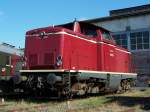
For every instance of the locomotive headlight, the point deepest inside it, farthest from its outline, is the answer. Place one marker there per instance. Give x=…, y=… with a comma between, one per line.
x=24, y=64
x=42, y=34
x=59, y=60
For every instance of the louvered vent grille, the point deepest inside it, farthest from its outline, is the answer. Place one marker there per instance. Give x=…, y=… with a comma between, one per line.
x=49, y=58
x=33, y=60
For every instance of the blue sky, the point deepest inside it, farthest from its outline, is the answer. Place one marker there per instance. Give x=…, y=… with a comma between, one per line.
x=19, y=16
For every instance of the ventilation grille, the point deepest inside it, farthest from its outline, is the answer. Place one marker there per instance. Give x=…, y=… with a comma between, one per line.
x=49, y=58
x=33, y=60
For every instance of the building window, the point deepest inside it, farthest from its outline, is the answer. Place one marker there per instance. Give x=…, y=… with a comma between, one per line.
x=121, y=39
x=139, y=40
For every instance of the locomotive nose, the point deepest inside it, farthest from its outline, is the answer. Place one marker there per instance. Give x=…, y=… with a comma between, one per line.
x=52, y=78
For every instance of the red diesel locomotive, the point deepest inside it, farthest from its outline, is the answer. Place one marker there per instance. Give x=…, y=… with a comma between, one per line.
x=74, y=59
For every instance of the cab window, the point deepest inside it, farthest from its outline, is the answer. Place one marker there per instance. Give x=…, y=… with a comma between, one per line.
x=106, y=35
x=88, y=31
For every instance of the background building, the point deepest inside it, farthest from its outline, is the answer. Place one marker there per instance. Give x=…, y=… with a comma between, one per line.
x=7, y=53
x=131, y=29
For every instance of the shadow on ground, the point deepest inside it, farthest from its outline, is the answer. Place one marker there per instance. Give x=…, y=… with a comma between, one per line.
x=128, y=101
x=39, y=100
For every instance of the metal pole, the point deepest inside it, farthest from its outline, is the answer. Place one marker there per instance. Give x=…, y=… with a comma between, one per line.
x=69, y=84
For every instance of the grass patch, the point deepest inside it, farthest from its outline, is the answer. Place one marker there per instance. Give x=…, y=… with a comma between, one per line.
x=92, y=102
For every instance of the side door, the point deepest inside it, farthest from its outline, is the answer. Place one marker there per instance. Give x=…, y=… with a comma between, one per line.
x=109, y=52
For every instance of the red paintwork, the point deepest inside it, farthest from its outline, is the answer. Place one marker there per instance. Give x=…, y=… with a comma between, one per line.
x=77, y=53
x=13, y=65
x=3, y=71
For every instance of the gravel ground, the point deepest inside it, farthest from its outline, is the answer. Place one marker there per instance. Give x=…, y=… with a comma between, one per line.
x=136, y=100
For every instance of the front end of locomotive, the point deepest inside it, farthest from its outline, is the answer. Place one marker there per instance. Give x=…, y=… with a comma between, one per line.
x=43, y=73
x=43, y=49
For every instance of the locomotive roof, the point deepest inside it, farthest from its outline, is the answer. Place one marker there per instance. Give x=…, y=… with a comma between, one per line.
x=83, y=23
x=70, y=26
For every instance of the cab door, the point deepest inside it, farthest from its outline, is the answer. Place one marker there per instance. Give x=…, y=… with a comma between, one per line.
x=109, y=55
x=109, y=58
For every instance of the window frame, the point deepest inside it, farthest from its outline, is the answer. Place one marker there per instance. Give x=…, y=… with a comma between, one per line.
x=139, y=40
